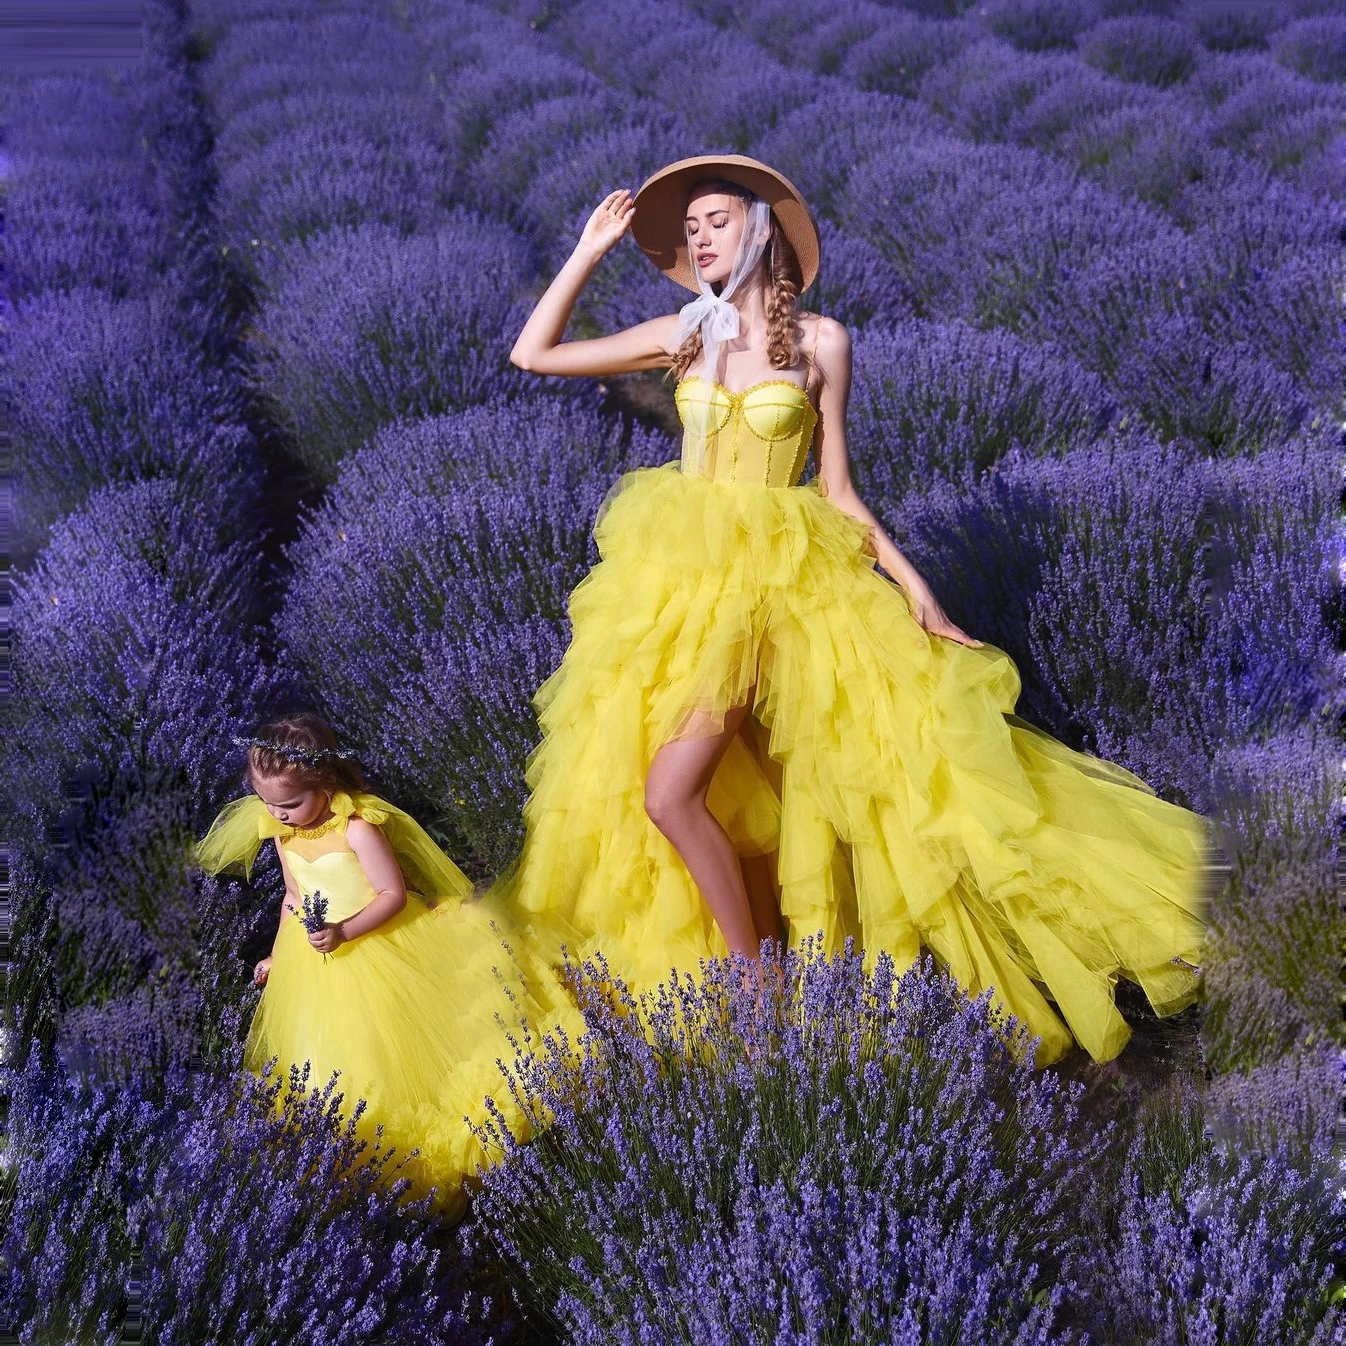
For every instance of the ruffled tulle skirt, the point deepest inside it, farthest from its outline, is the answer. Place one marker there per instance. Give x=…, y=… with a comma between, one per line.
x=414, y=1014
x=899, y=797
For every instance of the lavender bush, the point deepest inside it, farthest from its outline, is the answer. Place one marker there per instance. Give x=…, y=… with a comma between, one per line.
x=1119, y=616
x=1274, y=983
x=110, y=392
x=116, y=875
x=1139, y=316
x=1233, y=25
x=1118, y=629
x=246, y=1208
x=987, y=87
x=458, y=540
x=982, y=232
x=79, y=222
x=1314, y=47
x=841, y=1156
x=268, y=53
x=130, y=656
x=1058, y=559
x=1143, y=49
x=322, y=176
x=932, y=400
x=902, y=48
x=107, y=177
x=1216, y=1244
x=1038, y=25
x=1289, y=1103
x=354, y=333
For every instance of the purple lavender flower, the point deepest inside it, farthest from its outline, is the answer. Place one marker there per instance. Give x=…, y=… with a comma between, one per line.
x=314, y=913
x=1142, y=48
x=257, y=1209
x=1315, y=47
x=112, y=392
x=133, y=655
x=355, y=335
x=838, y=1154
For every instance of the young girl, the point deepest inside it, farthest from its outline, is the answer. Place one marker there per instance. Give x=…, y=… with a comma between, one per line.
x=406, y=988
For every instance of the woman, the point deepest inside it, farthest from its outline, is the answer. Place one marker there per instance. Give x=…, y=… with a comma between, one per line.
x=753, y=734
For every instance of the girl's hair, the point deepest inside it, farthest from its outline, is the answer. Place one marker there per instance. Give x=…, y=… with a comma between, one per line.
x=311, y=732
x=784, y=280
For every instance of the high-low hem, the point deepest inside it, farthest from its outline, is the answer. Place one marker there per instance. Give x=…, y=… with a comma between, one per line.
x=915, y=811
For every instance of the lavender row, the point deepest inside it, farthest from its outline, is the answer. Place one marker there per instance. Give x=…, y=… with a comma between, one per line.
x=138, y=474
x=136, y=656
x=211, y=1209
x=1255, y=79
x=857, y=1162
x=135, y=648
x=117, y=337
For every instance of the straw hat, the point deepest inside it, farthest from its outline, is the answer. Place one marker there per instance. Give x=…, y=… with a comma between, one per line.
x=661, y=235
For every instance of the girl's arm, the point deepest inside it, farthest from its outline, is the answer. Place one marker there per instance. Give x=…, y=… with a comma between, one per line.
x=539, y=347
x=385, y=877
x=834, y=363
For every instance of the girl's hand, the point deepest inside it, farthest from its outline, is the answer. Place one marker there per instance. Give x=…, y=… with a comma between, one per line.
x=935, y=620
x=327, y=939
x=262, y=971
x=610, y=220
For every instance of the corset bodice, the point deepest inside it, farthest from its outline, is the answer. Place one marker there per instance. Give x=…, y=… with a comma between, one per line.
x=328, y=865
x=760, y=436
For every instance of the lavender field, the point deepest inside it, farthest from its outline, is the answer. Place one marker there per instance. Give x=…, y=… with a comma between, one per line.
x=268, y=448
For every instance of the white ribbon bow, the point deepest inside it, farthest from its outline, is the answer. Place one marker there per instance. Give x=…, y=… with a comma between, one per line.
x=716, y=316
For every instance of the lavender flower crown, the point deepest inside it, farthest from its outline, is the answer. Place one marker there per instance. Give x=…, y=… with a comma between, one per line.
x=307, y=756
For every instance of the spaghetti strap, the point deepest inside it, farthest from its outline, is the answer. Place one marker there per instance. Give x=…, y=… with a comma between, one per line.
x=813, y=362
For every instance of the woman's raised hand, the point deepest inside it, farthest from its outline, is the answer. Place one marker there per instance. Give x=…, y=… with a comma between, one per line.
x=610, y=220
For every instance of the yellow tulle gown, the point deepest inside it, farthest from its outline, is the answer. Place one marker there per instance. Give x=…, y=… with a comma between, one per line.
x=898, y=796
x=415, y=1012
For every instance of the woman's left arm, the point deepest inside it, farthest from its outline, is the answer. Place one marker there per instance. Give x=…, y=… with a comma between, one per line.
x=834, y=364
x=385, y=877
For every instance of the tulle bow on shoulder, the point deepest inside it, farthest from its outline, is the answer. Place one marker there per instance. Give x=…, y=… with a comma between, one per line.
x=234, y=838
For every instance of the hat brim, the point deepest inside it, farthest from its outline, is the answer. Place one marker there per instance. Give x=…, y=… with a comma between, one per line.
x=658, y=223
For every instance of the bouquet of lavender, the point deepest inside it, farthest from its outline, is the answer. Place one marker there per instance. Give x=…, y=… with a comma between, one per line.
x=314, y=915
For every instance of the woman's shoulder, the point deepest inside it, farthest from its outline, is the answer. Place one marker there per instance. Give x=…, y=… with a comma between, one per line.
x=825, y=329
x=664, y=329
x=830, y=343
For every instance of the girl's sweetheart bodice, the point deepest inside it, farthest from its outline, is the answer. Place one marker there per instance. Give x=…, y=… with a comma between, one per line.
x=328, y=865
x=759, y=436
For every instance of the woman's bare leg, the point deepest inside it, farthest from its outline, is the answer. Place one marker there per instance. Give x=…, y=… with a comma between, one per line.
x=759, y=876
x=675, y=800
x=763, y=904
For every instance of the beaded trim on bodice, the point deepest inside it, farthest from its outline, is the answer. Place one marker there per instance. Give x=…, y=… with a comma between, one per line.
x=321, y=829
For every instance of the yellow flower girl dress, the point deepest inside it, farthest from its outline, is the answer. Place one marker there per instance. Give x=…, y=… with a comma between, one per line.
x=903, y=801
x=413, y=1013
